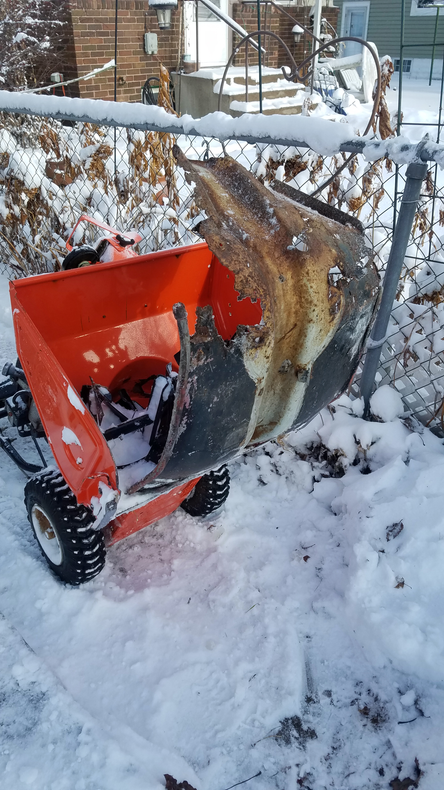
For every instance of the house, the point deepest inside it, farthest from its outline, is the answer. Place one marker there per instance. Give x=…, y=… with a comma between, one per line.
x=91, y=43
x=380, y=21
x=91, y=39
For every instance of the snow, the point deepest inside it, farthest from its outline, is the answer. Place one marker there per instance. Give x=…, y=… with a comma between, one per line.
x=75, y=400
x=280, y=102
x=386, y=403
x=104, y=504
x=109, y=65
x=321, y=134
x=69, y=437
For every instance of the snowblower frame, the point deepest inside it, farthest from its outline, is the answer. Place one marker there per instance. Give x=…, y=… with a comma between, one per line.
x=147, y=373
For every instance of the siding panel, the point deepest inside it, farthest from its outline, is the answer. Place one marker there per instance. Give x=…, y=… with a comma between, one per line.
x=384, y=29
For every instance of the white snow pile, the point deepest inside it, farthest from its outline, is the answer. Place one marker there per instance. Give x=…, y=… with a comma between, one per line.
x=322, y=138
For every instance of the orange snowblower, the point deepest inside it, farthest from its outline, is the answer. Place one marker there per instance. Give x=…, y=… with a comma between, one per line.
x=146, y=374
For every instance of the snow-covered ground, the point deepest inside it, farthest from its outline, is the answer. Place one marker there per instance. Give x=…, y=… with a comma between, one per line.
x=417, y=95
x=294, y=639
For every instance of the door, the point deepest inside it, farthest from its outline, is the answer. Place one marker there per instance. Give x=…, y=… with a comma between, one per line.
x=354, y=23
x=213, y=33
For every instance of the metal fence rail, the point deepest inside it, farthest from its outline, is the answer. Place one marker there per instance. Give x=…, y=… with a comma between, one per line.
x=61, y=157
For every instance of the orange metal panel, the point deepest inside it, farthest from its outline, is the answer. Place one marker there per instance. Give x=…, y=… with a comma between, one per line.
x=79, y=447
x=142, y=517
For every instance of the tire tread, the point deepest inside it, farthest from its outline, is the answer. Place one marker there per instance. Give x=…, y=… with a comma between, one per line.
x=81, y=544
x=209, y=494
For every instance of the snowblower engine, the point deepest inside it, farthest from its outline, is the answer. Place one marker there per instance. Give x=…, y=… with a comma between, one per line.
x=17, y=402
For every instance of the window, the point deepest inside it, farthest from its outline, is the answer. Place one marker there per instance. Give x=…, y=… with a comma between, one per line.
x=423, y=8
x=406, y=65
x=204, y=13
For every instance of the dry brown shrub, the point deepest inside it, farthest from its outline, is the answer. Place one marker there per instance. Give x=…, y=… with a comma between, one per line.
x=333, y=190
x=352, y=165
x=428, y=183
x=355, y=204
x=75, y=172
x=49, y=141
x=316, y=170
x=293, y=166
x=382, y=119
x=421, y=223
x=377, y=197
x=435, y=298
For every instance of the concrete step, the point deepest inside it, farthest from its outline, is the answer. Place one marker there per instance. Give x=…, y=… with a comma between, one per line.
x=236, y=76
x=271, y=75
x=199, y=93
x=288, y=110
x=289, y=105
x=272, y=91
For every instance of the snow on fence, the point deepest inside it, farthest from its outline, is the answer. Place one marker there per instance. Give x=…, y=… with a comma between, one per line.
x=61, y=157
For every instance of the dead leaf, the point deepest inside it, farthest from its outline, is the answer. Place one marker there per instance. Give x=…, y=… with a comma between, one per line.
x=407, y=783
x=172, y=784
x=394, y=530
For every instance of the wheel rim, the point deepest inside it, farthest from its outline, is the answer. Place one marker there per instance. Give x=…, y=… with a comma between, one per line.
x=46, y=535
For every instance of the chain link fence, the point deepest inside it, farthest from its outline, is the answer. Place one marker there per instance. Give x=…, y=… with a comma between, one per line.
x=52, y=171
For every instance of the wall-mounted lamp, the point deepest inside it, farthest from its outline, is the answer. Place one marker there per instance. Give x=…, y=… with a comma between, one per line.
x=298, y=32
x=163, y=10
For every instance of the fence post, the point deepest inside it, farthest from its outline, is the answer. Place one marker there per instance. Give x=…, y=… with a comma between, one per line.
x=416, y=172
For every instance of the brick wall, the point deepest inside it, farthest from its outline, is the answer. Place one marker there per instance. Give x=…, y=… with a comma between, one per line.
x=271, y=19
x=92, y=45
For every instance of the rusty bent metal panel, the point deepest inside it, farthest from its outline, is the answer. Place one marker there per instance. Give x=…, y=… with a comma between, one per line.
x=318, y=288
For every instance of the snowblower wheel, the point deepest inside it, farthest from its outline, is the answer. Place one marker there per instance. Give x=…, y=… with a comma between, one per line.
x=63, y=528
x=79, y=257
x=209, y=493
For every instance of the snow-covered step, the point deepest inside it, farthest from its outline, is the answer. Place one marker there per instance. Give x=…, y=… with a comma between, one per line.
x=284, y=105
x=199, y=92
x=268, y=75
x=278, y=94
x=272, y=90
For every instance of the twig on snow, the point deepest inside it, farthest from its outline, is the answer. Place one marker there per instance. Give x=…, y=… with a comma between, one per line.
x=244, y=781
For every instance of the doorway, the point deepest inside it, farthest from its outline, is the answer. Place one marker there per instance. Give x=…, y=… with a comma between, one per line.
x=354, y=23
x=213, y=33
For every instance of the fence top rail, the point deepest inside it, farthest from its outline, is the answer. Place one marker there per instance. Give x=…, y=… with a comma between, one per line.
x=323, y=136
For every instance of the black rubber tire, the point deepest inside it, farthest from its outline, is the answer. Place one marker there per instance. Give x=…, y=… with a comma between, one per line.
x=52, y=505
x=209, y=493
x=80, y=256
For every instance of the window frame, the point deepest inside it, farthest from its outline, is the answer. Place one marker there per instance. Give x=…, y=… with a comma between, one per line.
x=415, y=11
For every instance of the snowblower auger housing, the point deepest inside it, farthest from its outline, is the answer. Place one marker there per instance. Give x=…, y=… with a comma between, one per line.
x=149, y=371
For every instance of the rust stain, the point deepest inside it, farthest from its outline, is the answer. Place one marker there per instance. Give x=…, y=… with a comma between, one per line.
x=281, y=252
